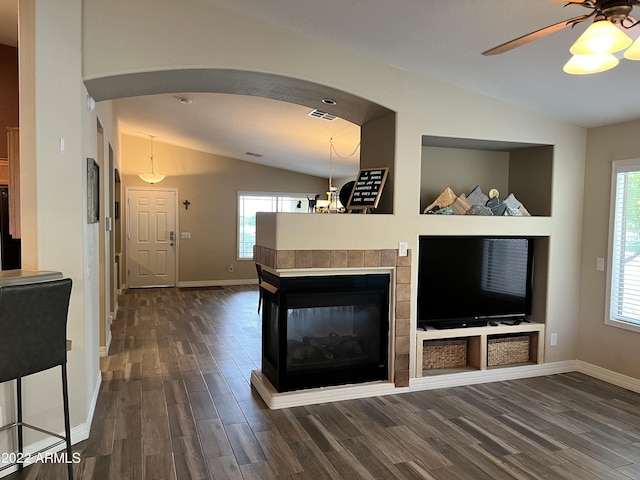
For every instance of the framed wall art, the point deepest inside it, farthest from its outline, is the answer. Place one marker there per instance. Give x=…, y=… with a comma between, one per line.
x=93, y=191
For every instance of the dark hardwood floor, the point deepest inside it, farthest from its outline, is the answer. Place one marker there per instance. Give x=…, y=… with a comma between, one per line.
x=175, y=403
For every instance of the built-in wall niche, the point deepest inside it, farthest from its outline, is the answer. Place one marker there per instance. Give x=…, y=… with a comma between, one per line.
x=462, y=164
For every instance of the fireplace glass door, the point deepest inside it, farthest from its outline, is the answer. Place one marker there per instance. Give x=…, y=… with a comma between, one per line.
x=323, y=331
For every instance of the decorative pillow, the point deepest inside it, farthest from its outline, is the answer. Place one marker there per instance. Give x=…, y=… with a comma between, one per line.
x=479, y=210
x=514, y=204
x=477, y=197
x=444, y=211
x=461, y=205
x=497, y=206
x=446, y=198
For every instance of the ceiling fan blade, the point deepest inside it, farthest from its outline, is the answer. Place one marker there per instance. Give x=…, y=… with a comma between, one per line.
x=530, y=37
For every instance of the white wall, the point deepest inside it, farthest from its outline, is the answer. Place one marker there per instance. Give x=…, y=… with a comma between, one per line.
x=175, y=39
x=606, y=346
x=53, y=199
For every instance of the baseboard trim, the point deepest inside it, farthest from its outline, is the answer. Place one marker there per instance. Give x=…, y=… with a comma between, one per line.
x=217, y=283
x=114, y=314
x=608, y=376
x=492, y=375
x=79, y=433
x=104, y=350
x=92, y=405
x=276, y=400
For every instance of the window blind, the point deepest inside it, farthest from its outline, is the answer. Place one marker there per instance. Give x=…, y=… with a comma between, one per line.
x=625, y=248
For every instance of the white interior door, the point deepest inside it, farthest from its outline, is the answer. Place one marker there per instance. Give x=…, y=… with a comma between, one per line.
x=152, y=237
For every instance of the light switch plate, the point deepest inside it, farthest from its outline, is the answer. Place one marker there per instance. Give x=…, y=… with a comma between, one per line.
x=403, y=249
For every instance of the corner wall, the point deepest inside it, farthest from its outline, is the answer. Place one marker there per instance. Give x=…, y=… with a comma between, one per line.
x=605, y=346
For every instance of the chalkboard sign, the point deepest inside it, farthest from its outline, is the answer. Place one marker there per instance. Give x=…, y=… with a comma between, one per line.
x=368, y=188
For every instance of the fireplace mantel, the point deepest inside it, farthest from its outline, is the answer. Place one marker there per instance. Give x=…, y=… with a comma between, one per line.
x=325, y=244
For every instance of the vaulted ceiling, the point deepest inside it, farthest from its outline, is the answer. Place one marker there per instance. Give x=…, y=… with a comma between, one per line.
x=441, y=40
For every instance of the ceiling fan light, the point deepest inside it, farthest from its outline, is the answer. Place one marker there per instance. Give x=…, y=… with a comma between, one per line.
x=633, y=52
x=601, y=37
x=587, y=64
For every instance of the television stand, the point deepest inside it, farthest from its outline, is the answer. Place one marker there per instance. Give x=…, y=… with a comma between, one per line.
x=477, y=344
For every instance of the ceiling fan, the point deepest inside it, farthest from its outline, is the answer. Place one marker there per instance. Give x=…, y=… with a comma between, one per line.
x=602, y=38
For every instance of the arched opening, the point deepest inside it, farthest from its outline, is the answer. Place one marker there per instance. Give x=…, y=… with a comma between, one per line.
x=377, y=122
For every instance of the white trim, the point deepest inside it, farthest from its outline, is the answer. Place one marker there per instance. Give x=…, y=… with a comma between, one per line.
x=104, y=350
x=433, y=382
x=79, y=433
x=217, y=283
x=617, y=166
x=608, y=376
x=276, y=400
x=612, y=322
x=114, y=314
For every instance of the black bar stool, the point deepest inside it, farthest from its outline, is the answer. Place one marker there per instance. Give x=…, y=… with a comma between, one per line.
x=33, y=322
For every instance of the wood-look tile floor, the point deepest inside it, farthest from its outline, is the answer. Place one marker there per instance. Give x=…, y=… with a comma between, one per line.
x=175, y=403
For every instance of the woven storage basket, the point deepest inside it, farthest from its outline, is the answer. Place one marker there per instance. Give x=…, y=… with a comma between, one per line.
x=507, y=350
x=444, y=354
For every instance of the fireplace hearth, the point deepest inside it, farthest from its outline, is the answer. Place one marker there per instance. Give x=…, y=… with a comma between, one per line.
x=324, y=330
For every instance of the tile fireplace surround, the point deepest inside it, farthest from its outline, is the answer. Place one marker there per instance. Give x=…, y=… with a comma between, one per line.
x=282, y=260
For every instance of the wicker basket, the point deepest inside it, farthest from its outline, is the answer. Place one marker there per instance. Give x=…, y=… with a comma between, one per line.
x=507, y=350
x=444, y=354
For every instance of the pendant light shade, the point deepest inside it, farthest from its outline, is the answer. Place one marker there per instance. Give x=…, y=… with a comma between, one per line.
x=587, y=64
x=152, y=176
x=601, y=37
x=633, y=52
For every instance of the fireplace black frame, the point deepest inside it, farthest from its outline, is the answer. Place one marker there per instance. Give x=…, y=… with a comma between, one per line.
x=282, y=293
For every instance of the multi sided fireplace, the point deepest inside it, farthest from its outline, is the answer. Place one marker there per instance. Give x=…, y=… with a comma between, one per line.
x=324, y=330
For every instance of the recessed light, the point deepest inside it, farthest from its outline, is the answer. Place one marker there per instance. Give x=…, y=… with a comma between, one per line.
x=184, y=100
x=329, y=101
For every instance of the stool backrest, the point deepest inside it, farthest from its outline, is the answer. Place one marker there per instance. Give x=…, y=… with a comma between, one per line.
x=33, y=327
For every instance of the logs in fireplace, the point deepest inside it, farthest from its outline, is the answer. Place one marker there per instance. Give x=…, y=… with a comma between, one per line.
x=325, y=330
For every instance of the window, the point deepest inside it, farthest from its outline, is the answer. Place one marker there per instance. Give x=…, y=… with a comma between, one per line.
x=623, y=282
x=249, y=203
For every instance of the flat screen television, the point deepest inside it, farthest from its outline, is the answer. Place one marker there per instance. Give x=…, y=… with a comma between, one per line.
x=466, y=281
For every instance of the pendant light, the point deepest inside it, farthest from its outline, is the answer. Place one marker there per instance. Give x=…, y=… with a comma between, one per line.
x=153, y=176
